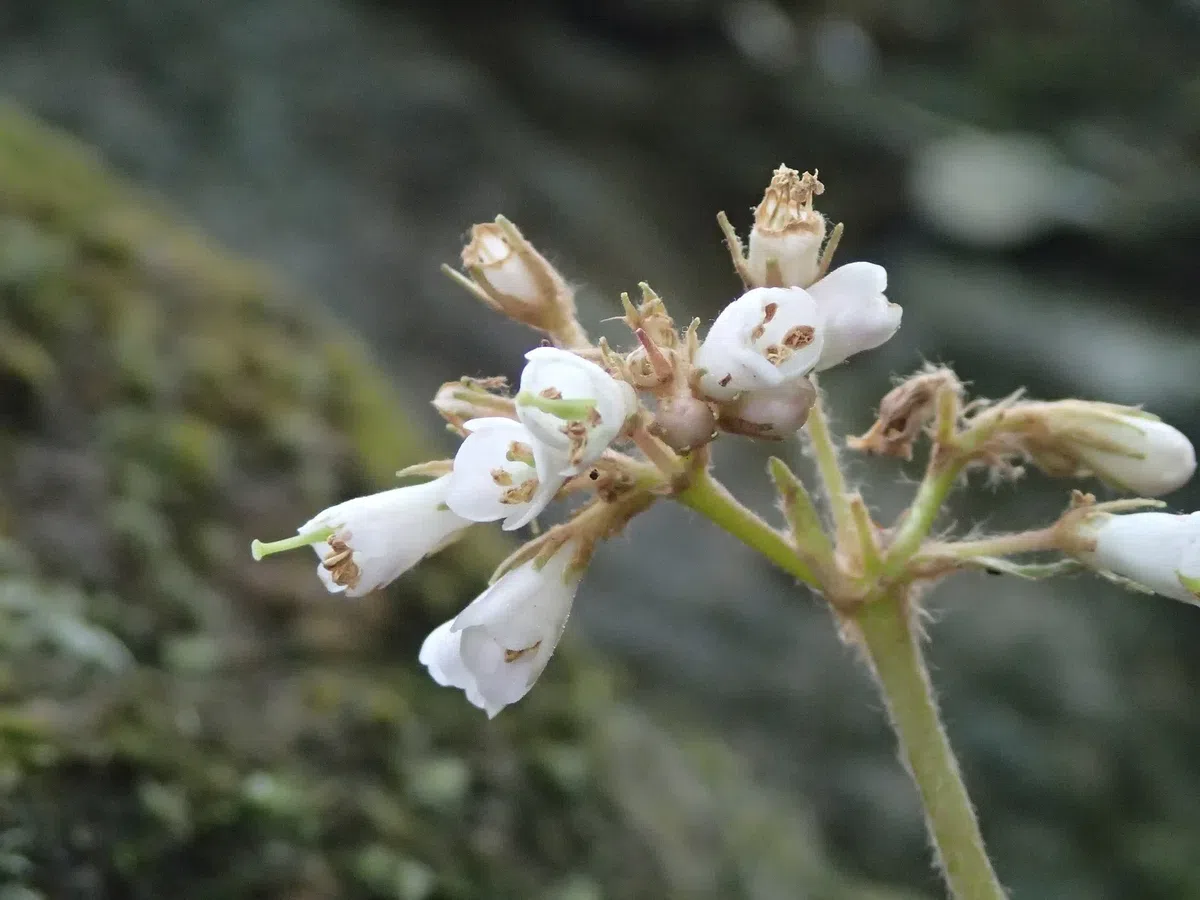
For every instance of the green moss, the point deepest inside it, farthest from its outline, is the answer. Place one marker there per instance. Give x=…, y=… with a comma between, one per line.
x=162, y=404
x=177, y=720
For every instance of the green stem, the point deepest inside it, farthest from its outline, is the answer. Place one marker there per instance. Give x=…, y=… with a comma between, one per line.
x=999, y=545
x=937, y=484
x=831, y=471
x=709, y=497
x=895, y=654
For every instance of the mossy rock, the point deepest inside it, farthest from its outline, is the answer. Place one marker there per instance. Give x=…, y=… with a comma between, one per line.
x=245, y=734
x=177, y=720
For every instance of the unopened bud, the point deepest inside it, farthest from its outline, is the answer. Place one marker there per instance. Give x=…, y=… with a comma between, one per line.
x=785, y=245
x=684, y=422
x=1123, y=446
x=772, y=413
x=473, y=398
x=508, y=274
x=1158, y=551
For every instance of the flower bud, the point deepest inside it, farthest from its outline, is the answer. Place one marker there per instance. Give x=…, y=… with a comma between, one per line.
x=496, y=476
x=472, y=398
x=764, y=338
x=785, y=244
x=684, y=422
x=1123, y=446
x=1159, y=551
x=772, y=413
x=856, y=313
x=368, y=542
x=508, y=274
x=572, y=408
x=497, y=647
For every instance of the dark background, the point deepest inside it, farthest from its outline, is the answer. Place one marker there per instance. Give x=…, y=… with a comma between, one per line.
x=1028, y=172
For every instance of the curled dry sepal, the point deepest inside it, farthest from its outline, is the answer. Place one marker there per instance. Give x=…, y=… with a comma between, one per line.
x=665, y=397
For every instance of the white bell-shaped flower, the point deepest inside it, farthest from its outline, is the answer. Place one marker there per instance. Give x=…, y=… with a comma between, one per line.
x=368, y=542
x=1127, y=448
x=856, y=313
x=1160, y=551
x=495, y=475
x=573, y=409
x=496, y=648
x=760, y=340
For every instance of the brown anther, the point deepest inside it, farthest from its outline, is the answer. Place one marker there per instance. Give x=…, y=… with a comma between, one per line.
x=340, y=564
x=776, y=354
x=522, y=493
x=511, y=656
x=577, y=433
x=769, y=312
x=593, y=417
x=502, y=478
x=551, y=393
x=724, y=382
x=799, y=336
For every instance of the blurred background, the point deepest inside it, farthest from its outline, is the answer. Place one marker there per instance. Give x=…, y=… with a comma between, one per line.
x=221, y=223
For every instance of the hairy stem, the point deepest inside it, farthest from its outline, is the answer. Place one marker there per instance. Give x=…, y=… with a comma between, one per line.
x=999, y=545
x=895, y=654
x=709, y=497
x=831, y=471
x=937, y=484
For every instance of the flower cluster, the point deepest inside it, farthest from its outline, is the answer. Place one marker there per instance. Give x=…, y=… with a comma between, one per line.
x=556, y=435
x=623, y=428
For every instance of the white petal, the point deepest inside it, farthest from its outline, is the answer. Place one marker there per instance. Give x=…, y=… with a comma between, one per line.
x=388, y=533
x=508, y=633
x=474, y=493
x=1161, y=458
x=441, y=654
x=731, y=369
x=574, y=378
x=734, y=352
x=1148, y=548
x=796, y=252
x=857, y=315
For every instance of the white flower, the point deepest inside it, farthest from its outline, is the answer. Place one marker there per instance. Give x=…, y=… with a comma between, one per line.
x=498, y=646
x=1160, y=551
x=495, y=476
x=787, y=231
x=1130, y=449
x=368, y=542
x=777, y=412
x=856, y=314
x=760, y=340
x=573, y=409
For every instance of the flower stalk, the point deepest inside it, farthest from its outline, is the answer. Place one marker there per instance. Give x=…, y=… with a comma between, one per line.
x=892, y=644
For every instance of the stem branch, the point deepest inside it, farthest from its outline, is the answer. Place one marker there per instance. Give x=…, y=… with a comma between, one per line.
x=709, y=497
x=831, y=471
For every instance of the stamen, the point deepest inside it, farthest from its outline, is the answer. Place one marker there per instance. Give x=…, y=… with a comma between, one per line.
x=340, y=564
x=518, y=452
x=522, y=493
x=511, y=656
x=502, y=478
x=800, y=336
